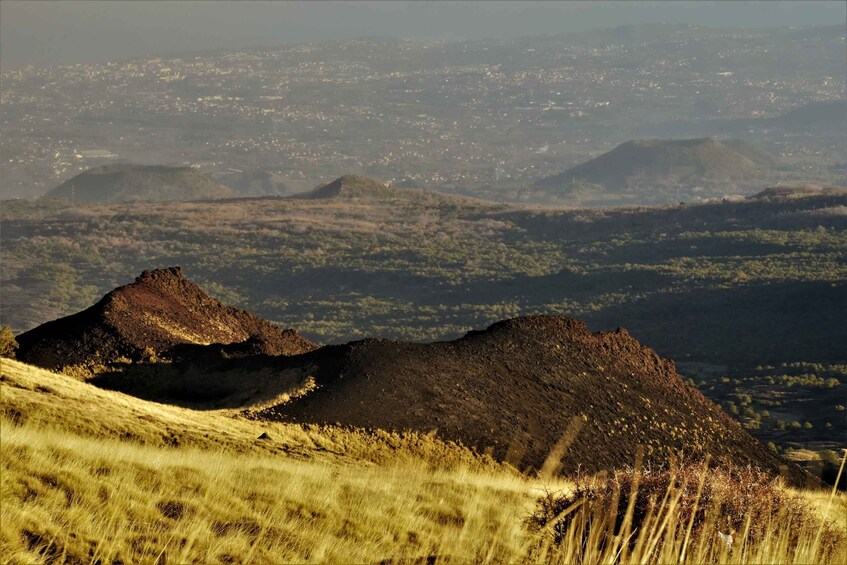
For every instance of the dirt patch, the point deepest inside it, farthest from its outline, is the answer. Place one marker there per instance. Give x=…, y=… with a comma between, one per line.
x=171, y=509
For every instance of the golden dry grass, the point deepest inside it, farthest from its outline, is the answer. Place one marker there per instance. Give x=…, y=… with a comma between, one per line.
x=95, y=476
x=100, y=499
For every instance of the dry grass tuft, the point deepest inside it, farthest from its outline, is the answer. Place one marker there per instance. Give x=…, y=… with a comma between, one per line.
x=690, y=512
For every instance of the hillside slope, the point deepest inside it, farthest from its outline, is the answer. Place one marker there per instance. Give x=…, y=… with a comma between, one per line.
x=144, y=319
x=35, y=397
x=520, y=387
x=127, y=182
x=92, y=475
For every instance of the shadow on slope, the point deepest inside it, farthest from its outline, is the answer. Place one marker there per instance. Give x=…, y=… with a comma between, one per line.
x=519, y=390
x=229, y=384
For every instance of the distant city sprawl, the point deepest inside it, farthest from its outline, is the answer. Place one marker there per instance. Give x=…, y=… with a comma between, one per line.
x=482, y=117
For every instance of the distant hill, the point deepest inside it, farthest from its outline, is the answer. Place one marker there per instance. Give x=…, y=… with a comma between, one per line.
x=648, y=164
x=127, y=182
x=351, y=186
x=159, y=311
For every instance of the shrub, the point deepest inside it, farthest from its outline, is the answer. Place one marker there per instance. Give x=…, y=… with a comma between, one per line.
x=694, y=500
x=8, y=344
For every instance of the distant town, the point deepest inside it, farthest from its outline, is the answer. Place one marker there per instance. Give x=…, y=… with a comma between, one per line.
x=460, y=116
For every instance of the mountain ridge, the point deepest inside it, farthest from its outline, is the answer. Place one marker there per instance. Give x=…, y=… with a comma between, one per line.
x=515, y=390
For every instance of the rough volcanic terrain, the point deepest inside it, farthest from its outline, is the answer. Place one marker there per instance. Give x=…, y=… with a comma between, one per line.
x=160, y=311
x=521, y=389
x=517, y=389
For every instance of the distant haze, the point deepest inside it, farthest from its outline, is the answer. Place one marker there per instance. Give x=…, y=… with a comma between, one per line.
x=48, y=33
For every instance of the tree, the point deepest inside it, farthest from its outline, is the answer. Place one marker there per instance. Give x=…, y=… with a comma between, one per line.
x=8, y=344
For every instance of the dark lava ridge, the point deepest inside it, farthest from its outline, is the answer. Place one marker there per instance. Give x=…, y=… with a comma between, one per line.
x=518, y=388
x=161, y=311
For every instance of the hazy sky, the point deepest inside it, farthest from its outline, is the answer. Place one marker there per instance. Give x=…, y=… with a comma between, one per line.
x=69, y=31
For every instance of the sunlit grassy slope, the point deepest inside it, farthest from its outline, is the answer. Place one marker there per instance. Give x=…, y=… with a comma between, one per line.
x=91, y=475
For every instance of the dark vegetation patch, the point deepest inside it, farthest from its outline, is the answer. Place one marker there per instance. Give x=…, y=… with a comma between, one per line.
x=753, y=323
x=13, y=415
x=48, y=549
x=246, y=526
x=172, y=509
